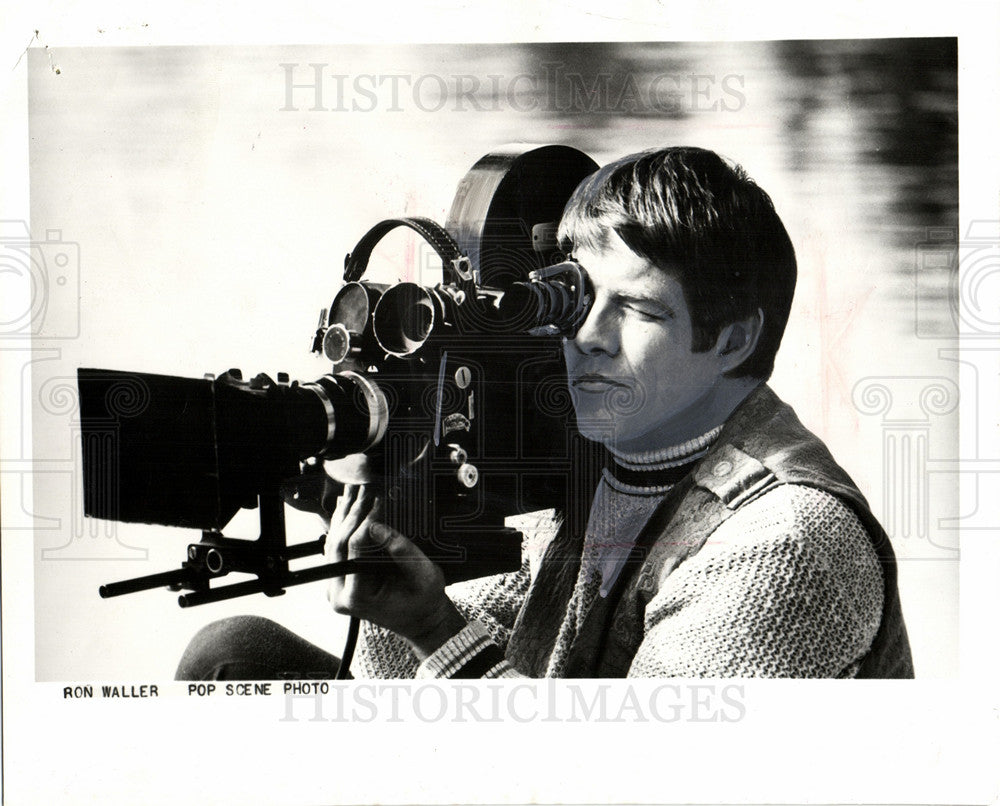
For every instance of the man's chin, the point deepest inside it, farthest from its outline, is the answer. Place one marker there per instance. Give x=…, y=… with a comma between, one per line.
x=600, y=429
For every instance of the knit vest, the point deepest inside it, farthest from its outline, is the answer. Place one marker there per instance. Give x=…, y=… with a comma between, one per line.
x=762, y=445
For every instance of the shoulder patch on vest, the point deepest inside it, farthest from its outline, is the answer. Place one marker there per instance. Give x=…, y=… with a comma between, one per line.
x=734, y=476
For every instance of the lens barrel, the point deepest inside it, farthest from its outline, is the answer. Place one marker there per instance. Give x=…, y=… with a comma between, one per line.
x=354, y=413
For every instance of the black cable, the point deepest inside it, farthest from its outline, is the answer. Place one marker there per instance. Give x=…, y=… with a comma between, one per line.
x=343, y=669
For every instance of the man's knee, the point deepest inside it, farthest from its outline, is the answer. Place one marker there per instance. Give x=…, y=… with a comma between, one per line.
x=229, y=643
x=253, y=648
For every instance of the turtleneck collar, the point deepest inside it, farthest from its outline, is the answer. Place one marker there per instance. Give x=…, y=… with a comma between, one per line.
x=656, y=471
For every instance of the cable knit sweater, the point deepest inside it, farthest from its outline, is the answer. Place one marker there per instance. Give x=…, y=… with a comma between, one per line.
x=789, y=586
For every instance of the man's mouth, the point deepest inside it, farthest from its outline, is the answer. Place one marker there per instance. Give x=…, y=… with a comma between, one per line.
x=594, y=382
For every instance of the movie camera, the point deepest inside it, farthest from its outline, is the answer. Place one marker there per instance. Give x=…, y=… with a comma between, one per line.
x=455, y=392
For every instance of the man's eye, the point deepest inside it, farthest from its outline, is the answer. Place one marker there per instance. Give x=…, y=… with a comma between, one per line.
x=646, y=314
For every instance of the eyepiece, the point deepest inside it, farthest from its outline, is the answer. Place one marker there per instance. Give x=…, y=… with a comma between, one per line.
x=555, y=301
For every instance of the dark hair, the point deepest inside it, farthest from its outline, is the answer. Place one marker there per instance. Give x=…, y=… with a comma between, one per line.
x=700, y=218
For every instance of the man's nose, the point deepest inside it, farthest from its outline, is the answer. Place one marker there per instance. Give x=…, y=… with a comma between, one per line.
x=599, y=331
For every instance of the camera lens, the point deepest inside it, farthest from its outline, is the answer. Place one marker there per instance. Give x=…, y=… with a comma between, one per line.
x=351, y=318
x=404, y=318
x=352, y=306
x=353, y=413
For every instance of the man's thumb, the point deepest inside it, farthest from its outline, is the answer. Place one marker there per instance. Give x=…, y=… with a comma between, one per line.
x=391, y=541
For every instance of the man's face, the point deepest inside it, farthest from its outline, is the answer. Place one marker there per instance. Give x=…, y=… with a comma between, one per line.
x=635, y=382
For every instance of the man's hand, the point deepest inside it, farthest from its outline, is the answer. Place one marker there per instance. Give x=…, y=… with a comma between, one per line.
x=405, y=594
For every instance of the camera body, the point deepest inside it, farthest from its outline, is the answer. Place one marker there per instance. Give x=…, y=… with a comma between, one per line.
x=455, y=392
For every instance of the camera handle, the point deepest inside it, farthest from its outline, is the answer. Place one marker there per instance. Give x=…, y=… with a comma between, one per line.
x=356, y=262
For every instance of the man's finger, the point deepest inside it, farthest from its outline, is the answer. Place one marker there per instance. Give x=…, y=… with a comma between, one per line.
x=344, y=501
x=395, y=544
x=361, y=542
x=330, y=496
x=359, y=506
x=353, y=469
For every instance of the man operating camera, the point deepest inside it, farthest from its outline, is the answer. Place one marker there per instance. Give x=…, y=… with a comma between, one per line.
x=723, y=539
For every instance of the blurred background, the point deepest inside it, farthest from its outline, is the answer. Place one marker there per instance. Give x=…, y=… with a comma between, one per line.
x=208, y=195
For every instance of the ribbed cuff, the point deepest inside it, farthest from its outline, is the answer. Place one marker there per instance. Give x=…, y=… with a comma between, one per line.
x=469, y=654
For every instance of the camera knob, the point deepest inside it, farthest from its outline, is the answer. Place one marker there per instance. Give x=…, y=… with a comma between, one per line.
x=214, y=561
x=336, y=343
x=463, y=377
x=468, y=475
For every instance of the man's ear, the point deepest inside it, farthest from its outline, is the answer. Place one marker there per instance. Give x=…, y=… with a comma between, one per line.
x=738, y=340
